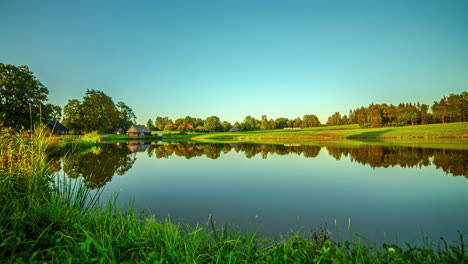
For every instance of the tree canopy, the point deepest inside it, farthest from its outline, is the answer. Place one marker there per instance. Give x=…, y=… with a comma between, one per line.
x=20, y=90
x=97, y=112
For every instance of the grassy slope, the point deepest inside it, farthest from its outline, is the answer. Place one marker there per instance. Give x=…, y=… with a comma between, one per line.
x=454, y=130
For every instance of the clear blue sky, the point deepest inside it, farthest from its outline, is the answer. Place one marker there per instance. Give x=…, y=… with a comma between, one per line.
x=234, y=58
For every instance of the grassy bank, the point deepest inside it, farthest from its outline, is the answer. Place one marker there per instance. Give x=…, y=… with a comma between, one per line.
x=452, y=130
x=45, y=220
x=457, y=133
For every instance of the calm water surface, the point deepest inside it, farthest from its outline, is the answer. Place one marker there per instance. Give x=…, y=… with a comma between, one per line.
x=389, y=193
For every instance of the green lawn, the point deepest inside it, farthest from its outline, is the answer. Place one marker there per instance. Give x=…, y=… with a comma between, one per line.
x=453, y=130
x=453, y=135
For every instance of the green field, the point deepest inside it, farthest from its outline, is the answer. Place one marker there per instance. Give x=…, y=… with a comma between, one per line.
x=434, y=133
x=453, y=135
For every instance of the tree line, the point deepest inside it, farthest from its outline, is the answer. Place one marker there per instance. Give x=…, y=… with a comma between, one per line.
x=23, y=100
x=453, y=108
x=214, y=124
x=449, y=109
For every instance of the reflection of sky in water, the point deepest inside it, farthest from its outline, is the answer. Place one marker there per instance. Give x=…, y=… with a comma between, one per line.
x=281, y=192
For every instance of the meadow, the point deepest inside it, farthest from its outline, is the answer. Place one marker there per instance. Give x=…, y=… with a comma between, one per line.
x=46, y=218
x=452, y=130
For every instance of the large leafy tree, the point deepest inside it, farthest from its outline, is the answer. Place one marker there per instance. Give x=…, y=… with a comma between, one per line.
x=126, y=115
x=226, y=126
x=72, y=116
x=150, y=125
x=212, y=124
x=52, y=112
x=160, y=123
x=334, y=120
x=375, y=116
x=20, y=90
x=97, y=111
x=310, y=121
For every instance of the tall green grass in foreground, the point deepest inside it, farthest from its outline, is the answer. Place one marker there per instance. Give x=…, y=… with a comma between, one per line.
x=47, y=219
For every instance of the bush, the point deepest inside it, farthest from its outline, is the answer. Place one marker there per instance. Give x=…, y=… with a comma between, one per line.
x=91, y=138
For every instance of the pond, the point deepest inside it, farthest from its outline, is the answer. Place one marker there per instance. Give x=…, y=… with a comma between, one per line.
x=387, y=193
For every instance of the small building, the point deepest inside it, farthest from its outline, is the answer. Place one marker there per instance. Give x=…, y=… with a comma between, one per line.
x=57, y=127
x=118, y=131
x=235, y=129
x=138, y=131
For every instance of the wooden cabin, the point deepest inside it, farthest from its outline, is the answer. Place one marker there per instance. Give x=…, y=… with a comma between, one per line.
x=235, y=129
x=138, y=131
x=118, y=131
x=57, y=127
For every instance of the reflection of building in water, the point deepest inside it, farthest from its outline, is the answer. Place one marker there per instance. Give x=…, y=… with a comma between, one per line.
x=138, y=146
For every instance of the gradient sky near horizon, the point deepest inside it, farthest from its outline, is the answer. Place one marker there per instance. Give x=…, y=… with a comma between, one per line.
x=242, y=57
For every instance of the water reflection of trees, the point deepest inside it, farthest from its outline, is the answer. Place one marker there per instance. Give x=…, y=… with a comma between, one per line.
x=97, y=167
x=449, y=160
x=214, y=151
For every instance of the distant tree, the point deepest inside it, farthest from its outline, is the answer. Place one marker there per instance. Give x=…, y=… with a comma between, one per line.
x=426, y=117
x=281, y=122
x=389, y=116
x=236, y=124
x=19, y=89
x=250, y=123
x=98, y=112
x=375, y=117
x=310, y=121
x=178, y=122
x=160, y=123
x=150, y=125
x=352, y=117
x=297, y=122
x=361, y=116
x=457, y=105
x=344, y=120
x=264, y=123
x=334, y=120
x=197, y=122
x=72, y=116
x=212, y=124
x=126, y=116
x=52, y=112
x=170, y=125
x=200, y=129
x=226, y=126
x=271, y=124
x=189, y=120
